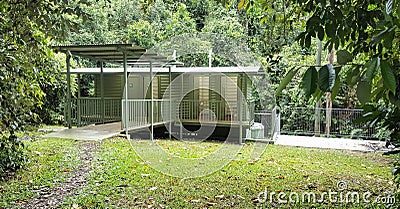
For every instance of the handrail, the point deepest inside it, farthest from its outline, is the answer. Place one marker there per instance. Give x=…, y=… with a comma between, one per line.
x=98, y=98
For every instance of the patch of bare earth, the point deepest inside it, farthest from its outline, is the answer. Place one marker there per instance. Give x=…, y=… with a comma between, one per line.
x=77, y=178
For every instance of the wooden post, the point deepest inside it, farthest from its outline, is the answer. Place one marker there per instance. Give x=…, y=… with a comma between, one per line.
x=102, y=92
x=69, y=105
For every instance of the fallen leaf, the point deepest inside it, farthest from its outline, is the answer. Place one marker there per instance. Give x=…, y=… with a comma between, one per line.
x=262, y=175
x=211, y=203
x=75, y=206
x=65, y=171
x=38, y=153
x=251, y=162
x=239, y=197
x=219, y=196
x=153, y=188
x=255, y=201
x=195, y=201
x=281, y=177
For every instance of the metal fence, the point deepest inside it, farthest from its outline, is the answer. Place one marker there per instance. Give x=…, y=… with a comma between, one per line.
x=312, y=121
x=269, y=119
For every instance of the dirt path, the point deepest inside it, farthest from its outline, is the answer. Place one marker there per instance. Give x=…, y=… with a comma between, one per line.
x=77, y=178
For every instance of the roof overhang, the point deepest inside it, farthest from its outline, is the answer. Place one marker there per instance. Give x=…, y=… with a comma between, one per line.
x=113, y=53
x=249, y=70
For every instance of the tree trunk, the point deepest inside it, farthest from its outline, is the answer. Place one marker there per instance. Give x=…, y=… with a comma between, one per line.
x=329, y=100
x=317, y=114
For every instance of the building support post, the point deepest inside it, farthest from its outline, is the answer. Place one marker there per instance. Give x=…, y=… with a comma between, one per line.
x=240, y=104
x=69, y=105
x=78, y=104
x=170, y=103
x=125, y=110
x=152, y=103
x=102, y=93
x=180, y=111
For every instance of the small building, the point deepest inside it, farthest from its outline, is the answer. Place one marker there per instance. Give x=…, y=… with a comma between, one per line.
x=151, y=93
x=195, y=95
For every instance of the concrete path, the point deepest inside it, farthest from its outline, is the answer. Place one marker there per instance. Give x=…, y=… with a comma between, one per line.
x=331, y=143
x=91, y=132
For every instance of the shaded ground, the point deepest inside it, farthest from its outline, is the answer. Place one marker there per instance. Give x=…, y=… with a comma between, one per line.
x=51, y=198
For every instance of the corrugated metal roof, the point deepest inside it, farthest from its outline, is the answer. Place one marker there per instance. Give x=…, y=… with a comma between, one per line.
x=113, y=53
x=165, y=70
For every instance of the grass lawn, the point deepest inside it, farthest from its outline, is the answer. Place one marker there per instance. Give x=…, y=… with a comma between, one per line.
x=120, y=179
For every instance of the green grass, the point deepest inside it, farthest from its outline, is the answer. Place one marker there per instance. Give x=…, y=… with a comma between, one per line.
x=122, y=180
x=47, y=158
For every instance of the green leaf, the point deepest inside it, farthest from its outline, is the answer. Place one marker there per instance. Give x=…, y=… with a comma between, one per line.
x=385, y=35
x=389, y=79
x=336, y=88
x=317, y=94
x=320, y=33
x=326, y=78
x=343, y=57
x=330, y=30
x=308, y=41
x=286, y=80
x=388, y=40
x=241, y=4
x=398, y=8
x=353, y=77
x=363, y=92
x=309, y=81
x=393, y=99
x=372, y=68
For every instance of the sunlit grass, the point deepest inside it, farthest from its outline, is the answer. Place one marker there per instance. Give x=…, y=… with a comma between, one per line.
x=122, y=180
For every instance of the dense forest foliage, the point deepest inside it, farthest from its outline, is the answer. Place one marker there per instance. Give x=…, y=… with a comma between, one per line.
x=283, y=34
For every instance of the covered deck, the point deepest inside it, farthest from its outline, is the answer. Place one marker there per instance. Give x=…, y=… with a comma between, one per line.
x=140, y=113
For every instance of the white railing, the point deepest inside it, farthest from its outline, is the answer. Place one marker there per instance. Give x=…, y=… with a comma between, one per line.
x=139, y=111
x=92, y=110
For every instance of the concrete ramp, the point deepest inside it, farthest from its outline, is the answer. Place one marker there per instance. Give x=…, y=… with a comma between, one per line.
x=91, y=132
